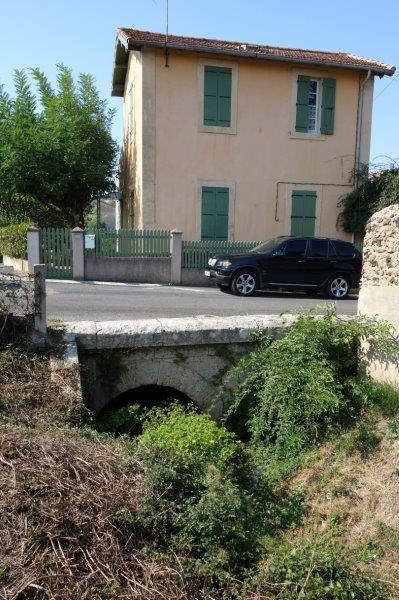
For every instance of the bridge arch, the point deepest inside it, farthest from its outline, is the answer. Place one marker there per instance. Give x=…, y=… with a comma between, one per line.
x=167, y=374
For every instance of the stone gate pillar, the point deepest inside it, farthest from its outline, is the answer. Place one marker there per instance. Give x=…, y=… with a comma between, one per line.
x=379, y=291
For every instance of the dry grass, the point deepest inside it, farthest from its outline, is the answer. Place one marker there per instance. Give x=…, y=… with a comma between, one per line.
x=60, y=497
x=354, y=500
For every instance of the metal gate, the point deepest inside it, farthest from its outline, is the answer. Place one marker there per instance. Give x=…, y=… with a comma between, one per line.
x=56, y=252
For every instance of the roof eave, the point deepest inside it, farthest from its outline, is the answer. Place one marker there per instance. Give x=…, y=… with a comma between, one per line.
x=134, y=45
x=124, y=44
x=121, y=56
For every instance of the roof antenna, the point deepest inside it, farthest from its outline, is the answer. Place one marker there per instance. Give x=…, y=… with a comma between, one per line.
x=166, y=36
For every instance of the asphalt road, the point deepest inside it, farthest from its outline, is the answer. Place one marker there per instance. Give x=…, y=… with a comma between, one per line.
x=86, y=301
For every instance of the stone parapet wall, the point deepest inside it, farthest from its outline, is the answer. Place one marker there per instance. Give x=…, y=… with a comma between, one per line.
x=379, y=292
x=381, y=248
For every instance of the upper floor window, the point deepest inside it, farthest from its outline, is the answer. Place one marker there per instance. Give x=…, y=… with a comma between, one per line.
x=217, y=96
x=315, y=105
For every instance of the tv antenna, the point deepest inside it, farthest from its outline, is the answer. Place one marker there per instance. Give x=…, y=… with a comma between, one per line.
x=166, y=35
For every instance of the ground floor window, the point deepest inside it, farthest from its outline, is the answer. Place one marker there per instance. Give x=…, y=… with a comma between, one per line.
x=215, y=213
x=303, y=213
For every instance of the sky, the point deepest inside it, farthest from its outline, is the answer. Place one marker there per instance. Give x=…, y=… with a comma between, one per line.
x=81, y=34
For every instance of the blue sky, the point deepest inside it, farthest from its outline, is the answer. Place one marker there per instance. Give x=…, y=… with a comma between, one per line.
x=81, y=34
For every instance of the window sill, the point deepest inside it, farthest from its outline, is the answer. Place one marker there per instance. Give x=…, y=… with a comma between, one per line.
x=214, y=129
x=307, y=136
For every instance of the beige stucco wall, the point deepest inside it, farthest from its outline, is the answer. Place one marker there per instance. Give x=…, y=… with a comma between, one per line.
x=262, y=160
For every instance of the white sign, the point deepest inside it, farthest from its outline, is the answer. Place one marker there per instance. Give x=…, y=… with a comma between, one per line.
x=90, y=241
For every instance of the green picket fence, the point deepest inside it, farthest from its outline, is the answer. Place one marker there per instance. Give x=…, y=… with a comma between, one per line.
x=195, y=255
x=130, y=242
x=56, y=252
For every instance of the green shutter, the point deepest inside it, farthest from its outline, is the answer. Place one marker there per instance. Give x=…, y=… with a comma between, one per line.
x=215, y=213
x=303, y=213
x=217, y=96
x=302, y=104
x=328, y=106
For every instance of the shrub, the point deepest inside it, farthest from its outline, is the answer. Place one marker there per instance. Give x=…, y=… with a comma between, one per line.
x=376, y=191
x=198, y=498
x=13, y=240
x=125, y=420
x=294, y=392
x=314, y=570
x=190, y=437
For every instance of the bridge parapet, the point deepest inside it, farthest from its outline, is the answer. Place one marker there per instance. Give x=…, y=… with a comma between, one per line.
x=190, y=355
x=188, y=331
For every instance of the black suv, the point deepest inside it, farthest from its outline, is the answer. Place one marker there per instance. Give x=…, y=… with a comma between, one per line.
x=301, y=263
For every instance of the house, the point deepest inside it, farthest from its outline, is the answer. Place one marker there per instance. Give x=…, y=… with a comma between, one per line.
x=239, y=141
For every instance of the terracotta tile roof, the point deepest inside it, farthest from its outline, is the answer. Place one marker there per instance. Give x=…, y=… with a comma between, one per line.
x=135, y=38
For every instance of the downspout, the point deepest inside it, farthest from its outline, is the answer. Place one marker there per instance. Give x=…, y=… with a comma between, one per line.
x=359, y=123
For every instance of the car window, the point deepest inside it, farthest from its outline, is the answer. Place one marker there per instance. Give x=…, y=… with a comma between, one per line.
x=332, y=251
x=269, y=245
x=318, y=248
x=295, y=248
x=344, y=249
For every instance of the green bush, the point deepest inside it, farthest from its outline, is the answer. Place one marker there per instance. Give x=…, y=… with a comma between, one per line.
x=316, y=571
x=125, y=420
x=199, y=498
x=376, y=191
x=190, y=437
x=13, y=240
x=294, y=392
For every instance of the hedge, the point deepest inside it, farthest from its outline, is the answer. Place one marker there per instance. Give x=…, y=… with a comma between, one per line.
x=13, y=240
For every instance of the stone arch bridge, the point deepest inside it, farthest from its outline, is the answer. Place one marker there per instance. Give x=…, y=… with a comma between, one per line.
x=189, y=355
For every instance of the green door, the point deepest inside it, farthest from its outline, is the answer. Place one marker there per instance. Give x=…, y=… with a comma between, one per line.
x=215, y=213
x=303, y=213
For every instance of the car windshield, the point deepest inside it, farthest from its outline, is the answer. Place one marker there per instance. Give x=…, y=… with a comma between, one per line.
x=269, y=245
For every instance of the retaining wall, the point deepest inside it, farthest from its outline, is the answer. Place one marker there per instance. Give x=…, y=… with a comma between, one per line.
x=128, y=269
x=379, y=292
x=19, y=264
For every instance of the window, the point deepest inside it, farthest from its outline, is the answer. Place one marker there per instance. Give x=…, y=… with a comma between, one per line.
x=303, y=212
x=313, y=101
x=318, y=249
x=331, y=249
x=217, y=96
x=215, y=213
x=344, y=249
x=295, y=248
x=315, y=105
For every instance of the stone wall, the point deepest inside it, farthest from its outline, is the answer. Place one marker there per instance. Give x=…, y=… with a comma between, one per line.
x=379, y=292
x=191, y=355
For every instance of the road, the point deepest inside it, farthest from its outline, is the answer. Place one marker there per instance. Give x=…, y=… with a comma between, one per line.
x=87, y=301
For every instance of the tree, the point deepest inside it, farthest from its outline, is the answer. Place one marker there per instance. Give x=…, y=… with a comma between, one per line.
x=375, y=191
x=56, y=152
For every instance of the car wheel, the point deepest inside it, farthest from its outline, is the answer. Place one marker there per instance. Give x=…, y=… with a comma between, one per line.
x=338, y=287
x=244, y=283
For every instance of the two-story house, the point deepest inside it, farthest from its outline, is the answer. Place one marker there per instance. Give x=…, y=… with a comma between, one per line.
x=239, y=141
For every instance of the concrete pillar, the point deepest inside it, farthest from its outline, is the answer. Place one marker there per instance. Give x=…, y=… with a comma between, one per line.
x=33, y=248
x=175, y=252
x=39, y=283
x=78, y=253
x=118, y=214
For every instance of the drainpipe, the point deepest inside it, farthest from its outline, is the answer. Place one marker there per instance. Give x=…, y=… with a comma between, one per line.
x=359, y=123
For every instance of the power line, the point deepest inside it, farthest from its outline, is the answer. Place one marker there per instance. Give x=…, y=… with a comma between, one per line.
x=387, y=86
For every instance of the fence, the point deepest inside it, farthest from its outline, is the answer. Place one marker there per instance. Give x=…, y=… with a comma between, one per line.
x=56, y=252
x=195, y=255
x=77, y=254
x=130, y=242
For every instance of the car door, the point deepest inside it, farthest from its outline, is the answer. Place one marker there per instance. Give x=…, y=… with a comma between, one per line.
x=289, y=267
x=318, y=263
